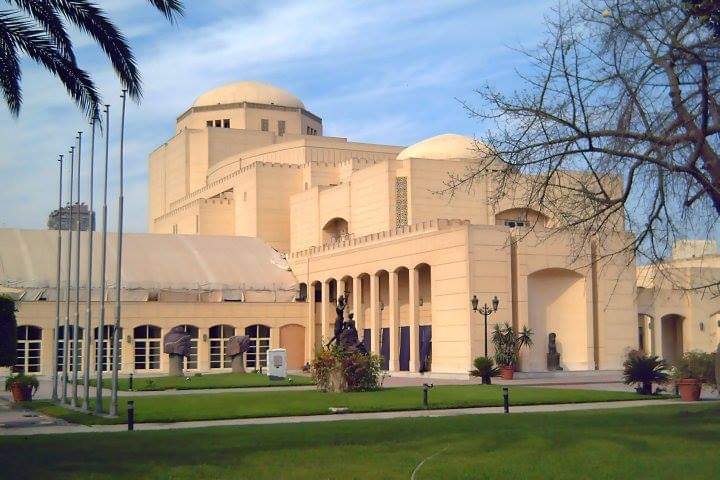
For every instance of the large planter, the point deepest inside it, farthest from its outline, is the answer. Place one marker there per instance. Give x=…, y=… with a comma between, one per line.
x=689, y=389
x=21, y=393
x=506, y=372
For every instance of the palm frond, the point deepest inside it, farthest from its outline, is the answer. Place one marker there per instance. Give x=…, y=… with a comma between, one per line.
x=92, y=20
x=10, y=72
x=43, y=12
x=170, y=8
x=39, y=46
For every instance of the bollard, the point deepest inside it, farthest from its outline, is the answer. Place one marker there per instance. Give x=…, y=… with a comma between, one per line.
x=506, y=399
x=426, y=387
x=131, y=415
x=130, y=381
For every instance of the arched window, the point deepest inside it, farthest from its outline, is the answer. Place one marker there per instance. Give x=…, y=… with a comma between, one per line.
x=147, y=347
x=29, y=346
x=219, y=335
x=107, y=347
x=191, y=361
x=71, y=348
x=335, y=230
x=302, y=293
x=256, y=356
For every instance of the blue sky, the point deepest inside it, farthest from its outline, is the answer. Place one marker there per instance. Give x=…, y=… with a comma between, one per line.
x=376, y=71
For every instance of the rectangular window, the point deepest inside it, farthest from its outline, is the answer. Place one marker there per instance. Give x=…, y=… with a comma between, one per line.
x=281, y=127
x=264, y=125
x=226, y=123
x=217, y=123
x=209, y=123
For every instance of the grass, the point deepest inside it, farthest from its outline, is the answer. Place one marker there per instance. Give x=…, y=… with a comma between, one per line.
x=176, y=408
x=206, y=381
x=660, y=442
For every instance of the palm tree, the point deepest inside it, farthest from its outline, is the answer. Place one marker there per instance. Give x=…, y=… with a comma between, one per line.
x=644, y=370
x=37, y=28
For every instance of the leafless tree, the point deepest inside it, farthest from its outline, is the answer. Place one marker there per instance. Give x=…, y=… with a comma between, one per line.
x=616, y=126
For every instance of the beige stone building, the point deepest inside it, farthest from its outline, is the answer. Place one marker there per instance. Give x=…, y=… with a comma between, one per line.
x=249, y=164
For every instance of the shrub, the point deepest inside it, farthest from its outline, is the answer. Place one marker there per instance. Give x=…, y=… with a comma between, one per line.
x=696, y=365
x=8, y=332
x=644, y=370
x=484, y=368
x=337, y=370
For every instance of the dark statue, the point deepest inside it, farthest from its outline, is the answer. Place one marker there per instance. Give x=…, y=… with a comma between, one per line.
x=176, y=344
x=236, y=346
x=346, y=335
x=553, y=357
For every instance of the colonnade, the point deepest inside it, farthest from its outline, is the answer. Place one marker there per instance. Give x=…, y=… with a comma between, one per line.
x=376, y=300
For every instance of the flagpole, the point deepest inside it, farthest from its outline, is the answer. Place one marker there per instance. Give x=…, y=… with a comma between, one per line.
x=66, y=327
x=76, y=326
x=118, y=272
x=57, y=282
x=91, y=231
x=101, y=326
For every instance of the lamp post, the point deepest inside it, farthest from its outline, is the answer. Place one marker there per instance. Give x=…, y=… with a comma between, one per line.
x=76, y=324
x=88, y=318
x=57, y=291
x=485, y=311
x=66, y=327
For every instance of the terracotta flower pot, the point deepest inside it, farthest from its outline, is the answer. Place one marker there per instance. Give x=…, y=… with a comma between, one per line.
x=689, y=389
x=506, y=372
x=21, y=393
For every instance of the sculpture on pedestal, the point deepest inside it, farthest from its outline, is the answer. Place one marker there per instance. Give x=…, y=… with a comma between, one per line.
x=177, y=345
x=346, y=335
x=553, y=356
x=236, y=346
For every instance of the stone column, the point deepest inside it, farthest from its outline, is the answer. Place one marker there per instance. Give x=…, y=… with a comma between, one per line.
x=274, y=337
x=340, y=290
x=413, y=296
x=394, y=321
x=375, y=313
x=324, y=302
x=203, y=350
x=310, y=330
x=357, y=304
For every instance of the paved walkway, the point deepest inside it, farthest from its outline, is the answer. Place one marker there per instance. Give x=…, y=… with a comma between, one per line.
x=72, y=428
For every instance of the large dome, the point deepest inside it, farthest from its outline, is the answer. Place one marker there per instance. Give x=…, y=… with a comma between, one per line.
x=447, y=146
x=251, y=92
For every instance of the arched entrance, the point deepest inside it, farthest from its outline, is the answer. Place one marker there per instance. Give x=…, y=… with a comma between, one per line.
x=557, y=304
x=672, y=337
x=292, y=339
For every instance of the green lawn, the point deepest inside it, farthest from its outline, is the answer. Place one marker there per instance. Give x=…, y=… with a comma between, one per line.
x=206, y=381
x=659, y=442
x=175, y=408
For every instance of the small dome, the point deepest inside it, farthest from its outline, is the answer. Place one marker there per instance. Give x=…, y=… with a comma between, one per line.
x=447, y=146
x=252, y=92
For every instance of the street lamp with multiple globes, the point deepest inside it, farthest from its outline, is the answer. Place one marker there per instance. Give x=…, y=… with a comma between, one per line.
x=485, y=311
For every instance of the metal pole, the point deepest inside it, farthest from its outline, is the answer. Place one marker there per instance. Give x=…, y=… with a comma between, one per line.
x=91, y=231
x=506, y=399
x=66, y=327
x=57, y=281
x=118, y=268
x=101, y=326
x=76, y=326
x=485, y=313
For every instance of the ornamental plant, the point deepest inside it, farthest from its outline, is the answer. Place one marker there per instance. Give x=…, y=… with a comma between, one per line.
x=336, y=370
x=696, y=365
x=644, y=370
x=22, y=380
x=485, y=369
x=508, y=342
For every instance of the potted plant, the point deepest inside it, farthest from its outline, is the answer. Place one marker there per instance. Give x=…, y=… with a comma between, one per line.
x=508, y=344
x=691, y=371
x=22, y=386
x=644, y=370
x=485, y=369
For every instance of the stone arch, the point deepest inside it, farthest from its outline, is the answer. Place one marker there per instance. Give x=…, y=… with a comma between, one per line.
x=557, y=304
x=292, y=339
x=520, y=217
x=334, y=230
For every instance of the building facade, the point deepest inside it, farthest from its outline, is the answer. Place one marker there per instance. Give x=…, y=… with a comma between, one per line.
x=249, y=163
